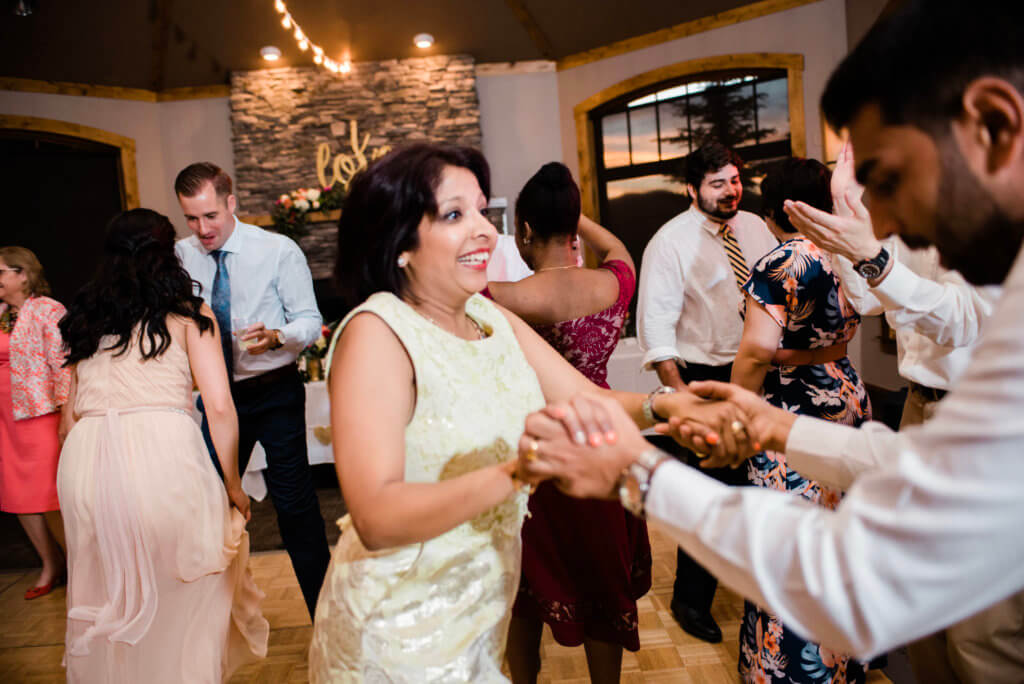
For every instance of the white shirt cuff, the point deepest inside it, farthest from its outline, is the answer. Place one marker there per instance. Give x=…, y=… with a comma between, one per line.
x=680, y=495
x=656, y=354
x=900, y=281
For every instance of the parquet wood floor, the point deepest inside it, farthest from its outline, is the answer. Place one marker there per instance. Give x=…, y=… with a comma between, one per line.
x=32, y=634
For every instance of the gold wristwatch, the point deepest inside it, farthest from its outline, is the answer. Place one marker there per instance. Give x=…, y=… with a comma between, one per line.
x=278, y=339
x=635, y=480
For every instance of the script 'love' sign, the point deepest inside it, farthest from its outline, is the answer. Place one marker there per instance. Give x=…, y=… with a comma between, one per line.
x=346, y=165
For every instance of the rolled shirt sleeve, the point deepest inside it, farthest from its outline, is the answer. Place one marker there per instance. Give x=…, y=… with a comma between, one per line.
x=659, y=303
x=295, y=289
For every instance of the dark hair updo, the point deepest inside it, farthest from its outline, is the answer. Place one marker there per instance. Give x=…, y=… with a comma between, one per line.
x=139, y=282
x=549, y=202
x=797, y=179
x=382, y=212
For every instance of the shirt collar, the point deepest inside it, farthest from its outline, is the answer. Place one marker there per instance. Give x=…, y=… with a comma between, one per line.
x=234, y=243
x=706, y=223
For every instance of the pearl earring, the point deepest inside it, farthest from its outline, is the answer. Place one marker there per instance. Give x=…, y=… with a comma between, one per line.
x=403, y=261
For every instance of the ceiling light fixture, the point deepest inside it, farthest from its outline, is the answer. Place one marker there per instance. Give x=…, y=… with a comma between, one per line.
x=423, y=40
x=270, y=53
x=304, y=43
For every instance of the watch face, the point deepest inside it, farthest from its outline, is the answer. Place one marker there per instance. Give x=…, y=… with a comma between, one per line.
x=869, y=271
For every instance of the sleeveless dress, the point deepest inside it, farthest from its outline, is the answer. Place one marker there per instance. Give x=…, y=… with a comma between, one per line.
x=797, y=287
x=586, y=562
x=28, y=450
x=158, y=585
x=436, y=611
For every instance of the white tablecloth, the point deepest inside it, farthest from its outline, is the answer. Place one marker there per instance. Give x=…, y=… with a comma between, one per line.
x=318, y=421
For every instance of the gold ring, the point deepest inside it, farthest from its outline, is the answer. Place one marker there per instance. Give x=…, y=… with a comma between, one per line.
x=531, y=454
x=701, y=455
x=738, y=428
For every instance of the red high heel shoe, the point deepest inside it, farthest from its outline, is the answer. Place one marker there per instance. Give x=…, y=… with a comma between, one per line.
x=36, y=592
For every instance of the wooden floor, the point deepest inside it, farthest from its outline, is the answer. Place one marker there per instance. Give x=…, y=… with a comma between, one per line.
x=32, y=633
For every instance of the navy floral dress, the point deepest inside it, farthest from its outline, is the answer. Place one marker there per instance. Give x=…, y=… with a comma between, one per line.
x=797, y=287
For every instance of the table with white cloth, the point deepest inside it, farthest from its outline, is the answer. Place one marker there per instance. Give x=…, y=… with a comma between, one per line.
x=318, y=439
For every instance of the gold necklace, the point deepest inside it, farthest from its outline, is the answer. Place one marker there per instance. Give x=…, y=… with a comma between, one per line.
x=556, y=268
x=8, y=319
x=480, y=334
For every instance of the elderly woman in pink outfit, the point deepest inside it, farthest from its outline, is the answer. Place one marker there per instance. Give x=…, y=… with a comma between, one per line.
x=33, y=386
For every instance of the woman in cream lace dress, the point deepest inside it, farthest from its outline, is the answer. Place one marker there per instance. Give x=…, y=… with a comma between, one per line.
x=158, y=586
x=430, y=386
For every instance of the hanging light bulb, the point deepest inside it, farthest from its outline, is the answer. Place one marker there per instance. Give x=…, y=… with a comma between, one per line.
x=303, y=45
x=287, y=21
x=318, y=59
x=345, y=67
x=279, y=6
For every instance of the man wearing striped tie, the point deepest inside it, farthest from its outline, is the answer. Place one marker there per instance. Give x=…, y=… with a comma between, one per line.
x=690, y=322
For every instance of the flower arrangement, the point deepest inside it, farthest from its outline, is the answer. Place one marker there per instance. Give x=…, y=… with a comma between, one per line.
x=311, y=359
x=291, y=209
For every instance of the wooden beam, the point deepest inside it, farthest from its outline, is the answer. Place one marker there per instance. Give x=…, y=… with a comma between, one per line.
x=540, y=40
x=27, y=85
x=161, y=18
x=733, y=16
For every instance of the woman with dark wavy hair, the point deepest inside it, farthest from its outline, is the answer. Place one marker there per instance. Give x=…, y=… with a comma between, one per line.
x=158, y=586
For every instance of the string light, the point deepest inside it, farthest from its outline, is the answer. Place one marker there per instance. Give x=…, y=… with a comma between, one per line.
x=304, y=43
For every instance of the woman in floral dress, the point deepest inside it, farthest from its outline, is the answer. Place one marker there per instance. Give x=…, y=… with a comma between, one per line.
x=798, y=323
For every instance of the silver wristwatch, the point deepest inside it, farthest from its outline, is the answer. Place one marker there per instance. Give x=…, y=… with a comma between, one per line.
x=648, y=404
x=635, y=480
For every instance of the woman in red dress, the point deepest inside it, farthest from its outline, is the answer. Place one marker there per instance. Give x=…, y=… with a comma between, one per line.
x=585, y=562
x=33, y=386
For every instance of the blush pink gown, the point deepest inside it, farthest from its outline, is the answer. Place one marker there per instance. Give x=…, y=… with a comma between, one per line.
x=158, y=587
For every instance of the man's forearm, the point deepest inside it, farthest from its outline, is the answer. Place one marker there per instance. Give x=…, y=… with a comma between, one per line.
x=668, y=373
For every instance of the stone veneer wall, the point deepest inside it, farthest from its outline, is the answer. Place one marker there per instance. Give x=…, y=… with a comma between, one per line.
x=280, y=116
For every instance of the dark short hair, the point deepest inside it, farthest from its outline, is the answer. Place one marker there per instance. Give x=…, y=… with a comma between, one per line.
x=549, y=202
x=192, y=178
x=25, y=260
x=708, y=158
x=797, y=179
x=382, y=212
x=916, y=62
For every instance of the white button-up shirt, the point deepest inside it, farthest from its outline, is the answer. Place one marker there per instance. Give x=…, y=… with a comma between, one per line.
x=270, y=284
x=936, y=314
x=929, y=535
x=688, y=306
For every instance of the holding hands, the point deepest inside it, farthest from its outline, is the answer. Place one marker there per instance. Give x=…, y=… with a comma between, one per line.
x=585, y=444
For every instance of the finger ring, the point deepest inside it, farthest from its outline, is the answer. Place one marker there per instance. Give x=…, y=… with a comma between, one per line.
x=738, y=428
x=701, y=455
x=531, y=454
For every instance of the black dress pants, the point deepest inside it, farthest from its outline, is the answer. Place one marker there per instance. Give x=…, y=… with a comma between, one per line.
x=274, y=414
x=695, y=586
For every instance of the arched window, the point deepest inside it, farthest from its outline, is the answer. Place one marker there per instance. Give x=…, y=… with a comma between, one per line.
x=634, y=135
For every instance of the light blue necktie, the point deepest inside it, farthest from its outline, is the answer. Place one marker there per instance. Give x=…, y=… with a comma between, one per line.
x=221, y=304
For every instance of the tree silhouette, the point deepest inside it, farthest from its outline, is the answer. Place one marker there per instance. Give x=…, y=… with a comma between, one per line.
x=722, y=113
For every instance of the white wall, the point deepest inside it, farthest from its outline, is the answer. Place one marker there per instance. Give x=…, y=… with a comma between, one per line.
x=519, y=126
x=168, y=135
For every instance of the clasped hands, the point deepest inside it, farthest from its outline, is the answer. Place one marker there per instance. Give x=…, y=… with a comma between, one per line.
x=584, y=444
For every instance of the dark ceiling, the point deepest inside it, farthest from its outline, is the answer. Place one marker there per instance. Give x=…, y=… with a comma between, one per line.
x=160, y=44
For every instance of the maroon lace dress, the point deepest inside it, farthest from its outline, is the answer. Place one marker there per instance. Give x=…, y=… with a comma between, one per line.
x=585, y=562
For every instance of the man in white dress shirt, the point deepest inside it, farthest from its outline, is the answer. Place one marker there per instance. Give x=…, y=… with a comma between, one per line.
x=689, y=319
x=260, y=289
x=937, y=317
x=929, y=532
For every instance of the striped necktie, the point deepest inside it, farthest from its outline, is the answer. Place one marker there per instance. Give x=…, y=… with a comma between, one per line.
x=735, y=254
x=220, y=302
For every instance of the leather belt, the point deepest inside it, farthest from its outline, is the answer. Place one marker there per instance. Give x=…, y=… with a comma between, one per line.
x=271, y=377
x=809, y=357
x=929, y=393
